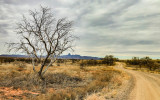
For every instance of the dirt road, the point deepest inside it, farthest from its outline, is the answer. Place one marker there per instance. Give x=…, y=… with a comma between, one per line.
x=146, y=85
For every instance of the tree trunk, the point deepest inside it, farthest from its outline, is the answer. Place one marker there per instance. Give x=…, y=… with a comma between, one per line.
x=42, y=66
x=40, y=72
x=40, y=75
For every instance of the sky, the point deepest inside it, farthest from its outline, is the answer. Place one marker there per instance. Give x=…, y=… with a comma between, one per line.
x=123, y=28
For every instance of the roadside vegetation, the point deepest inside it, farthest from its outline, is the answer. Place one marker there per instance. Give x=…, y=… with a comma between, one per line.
x=144, y=64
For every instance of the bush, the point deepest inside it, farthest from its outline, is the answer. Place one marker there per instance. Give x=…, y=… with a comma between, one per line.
x=145, y=62
x=109, y=60
x=88, y=63
x=62, y=78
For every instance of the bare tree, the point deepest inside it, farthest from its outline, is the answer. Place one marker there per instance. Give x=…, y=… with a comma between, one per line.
x=43, y=38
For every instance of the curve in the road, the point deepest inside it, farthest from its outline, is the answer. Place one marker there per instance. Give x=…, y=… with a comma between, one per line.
x=147, y=85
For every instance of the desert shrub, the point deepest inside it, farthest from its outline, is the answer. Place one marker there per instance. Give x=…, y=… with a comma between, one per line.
x=58, y=95
x=60, y=61
x=84, y=63
x=109, y=60
x=61, y=78
x=17, y=80
x=91, y=62
x=73, y=61
x=8, y=60
x=13, y=59
x=145, y=62
x=134, y=61
x=28, y=60
x=155, y=66
x=20, y=65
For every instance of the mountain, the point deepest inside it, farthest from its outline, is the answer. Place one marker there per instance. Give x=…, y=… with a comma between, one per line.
x=19, y=56
x=69, y=56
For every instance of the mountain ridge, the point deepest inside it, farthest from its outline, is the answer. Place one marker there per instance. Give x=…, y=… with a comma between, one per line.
x=69, y=56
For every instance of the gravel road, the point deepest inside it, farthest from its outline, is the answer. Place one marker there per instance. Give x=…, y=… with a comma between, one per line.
x=146, y=85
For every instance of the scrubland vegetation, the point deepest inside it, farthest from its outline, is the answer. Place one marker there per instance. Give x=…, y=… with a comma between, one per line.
x=144, y=64
x=65, y=80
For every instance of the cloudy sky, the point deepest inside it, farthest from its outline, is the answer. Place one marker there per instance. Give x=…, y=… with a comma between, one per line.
x=123, y=28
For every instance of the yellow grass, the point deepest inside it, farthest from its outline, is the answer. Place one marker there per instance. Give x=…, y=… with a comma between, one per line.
x=98, y=82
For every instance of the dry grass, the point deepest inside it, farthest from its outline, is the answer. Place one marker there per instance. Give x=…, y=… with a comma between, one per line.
x=95, y=96
x=65, y=82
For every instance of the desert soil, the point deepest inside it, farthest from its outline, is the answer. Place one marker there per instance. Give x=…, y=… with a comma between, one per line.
x=146, y=86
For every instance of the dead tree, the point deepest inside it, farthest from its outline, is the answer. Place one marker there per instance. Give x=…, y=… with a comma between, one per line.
x=43, y=37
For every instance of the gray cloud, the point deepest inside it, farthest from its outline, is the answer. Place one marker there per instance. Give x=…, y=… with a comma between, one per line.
x=123, y=39
x=121, y=27
x=19, y=2
x=3, y=29
x=140, y=53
